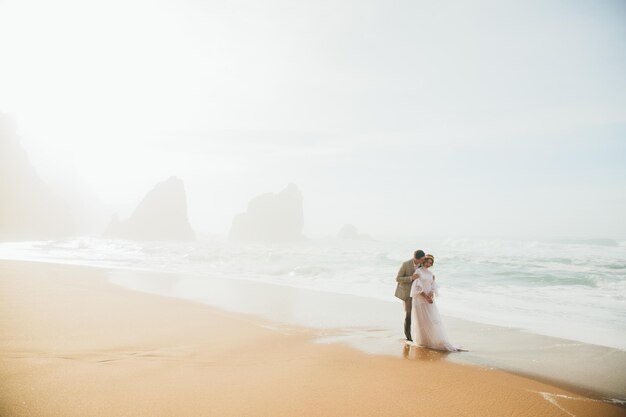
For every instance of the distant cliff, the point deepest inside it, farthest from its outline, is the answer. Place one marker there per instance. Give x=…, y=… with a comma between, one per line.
x=271, y=217
x=29, y=209
x=161, y=215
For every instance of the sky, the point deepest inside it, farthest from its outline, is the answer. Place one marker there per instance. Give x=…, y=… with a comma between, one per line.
x=482, y=118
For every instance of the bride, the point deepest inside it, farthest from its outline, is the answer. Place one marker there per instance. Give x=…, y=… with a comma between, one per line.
x=426, y=326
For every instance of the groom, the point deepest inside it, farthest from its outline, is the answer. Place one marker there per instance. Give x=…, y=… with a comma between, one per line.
x=406, y=276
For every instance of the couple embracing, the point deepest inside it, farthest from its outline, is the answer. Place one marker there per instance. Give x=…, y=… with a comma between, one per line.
x=417, y=289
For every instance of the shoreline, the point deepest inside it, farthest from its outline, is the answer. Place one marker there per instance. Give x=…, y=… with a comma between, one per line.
x=554, y=314
x=581, y=367
x=374, y=327
x=34, y=350
x=557, y=295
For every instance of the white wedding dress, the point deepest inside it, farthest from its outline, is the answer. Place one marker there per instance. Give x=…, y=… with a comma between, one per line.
x=426, y=326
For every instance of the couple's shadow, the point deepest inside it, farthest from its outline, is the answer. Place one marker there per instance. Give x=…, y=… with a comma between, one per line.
x=418, y=353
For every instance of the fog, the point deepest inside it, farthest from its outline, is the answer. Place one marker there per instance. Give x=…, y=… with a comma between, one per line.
x=408, y=118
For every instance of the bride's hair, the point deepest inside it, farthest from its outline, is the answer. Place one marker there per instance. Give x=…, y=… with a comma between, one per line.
x=431, y=257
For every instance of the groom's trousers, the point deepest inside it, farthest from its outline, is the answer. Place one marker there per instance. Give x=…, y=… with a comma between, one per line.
x=408, y=305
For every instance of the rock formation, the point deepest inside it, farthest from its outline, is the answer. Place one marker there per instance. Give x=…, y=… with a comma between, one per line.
x=161, y=215
x=349, y=231
x=29, y=209
x=271, y=217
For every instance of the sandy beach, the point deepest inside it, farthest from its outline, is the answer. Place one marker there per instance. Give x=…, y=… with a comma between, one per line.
x=72, y=344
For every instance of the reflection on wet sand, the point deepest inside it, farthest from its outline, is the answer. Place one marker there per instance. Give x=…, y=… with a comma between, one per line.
x=419, y=353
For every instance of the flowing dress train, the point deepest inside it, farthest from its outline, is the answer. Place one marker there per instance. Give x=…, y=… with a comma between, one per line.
x=426, y=327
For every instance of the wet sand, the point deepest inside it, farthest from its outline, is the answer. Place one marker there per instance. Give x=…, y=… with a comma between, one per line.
x=72, y=344
x=375, y=326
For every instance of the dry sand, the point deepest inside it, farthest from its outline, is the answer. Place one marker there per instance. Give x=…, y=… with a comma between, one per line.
x=71, y=344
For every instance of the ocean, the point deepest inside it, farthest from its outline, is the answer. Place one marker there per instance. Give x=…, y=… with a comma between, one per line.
x=571, y=289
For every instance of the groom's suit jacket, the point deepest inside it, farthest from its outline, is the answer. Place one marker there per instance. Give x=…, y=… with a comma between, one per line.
x=403, y=289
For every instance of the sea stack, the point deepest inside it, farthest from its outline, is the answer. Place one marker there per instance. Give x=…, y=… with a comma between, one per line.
x=29, y=209
x=271, y=217
x=161, y=215
x=350, y=232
